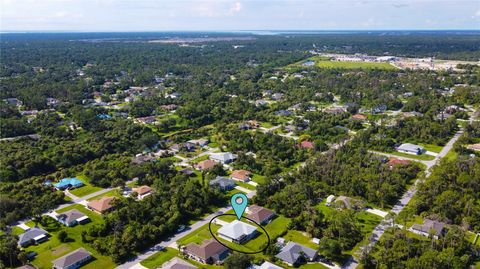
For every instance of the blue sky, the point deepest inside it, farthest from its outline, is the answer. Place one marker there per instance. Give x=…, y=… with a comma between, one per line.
x=198, y=15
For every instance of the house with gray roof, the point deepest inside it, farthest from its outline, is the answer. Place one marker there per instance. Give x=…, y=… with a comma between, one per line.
x=72, y=218
x=177, y=263
x=237, y=232
x=223, y=183
x=293, y=252
x=223, y=157
x=72, y=260
x=34, y=235
x=411, y=149
x=428, y=227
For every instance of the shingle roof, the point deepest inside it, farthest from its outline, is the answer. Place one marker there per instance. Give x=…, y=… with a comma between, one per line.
x=292, y=251
x=430, y=225
x=207, y=164
x=241, y=174
x=142, y=190
x=208, y=249
x=236, y=229
x=177, y=263
x=71, y=258
x=27, y=236
x=260, y=214
x=70, y=215
x=101, y=204
x=222, y=182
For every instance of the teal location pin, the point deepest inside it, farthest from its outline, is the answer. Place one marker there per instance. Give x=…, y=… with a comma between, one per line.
x=239, y=202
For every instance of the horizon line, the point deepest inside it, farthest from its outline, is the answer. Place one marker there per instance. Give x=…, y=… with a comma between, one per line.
x=232, y=31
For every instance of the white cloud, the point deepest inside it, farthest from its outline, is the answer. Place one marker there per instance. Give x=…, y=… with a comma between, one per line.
x=477, y=14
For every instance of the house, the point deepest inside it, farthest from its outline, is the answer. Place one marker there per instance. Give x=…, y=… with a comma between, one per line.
x=411, y=149
x=141, y=158
x=241, y=175
x=68, y=183
x=177, y=263
x=147, y=120
x=307, y=145
x=266, y=265
x=199, y=142
x=359, y=117
x=260, y=102
x=34, y=235
x=260, y=214
x=101, y=205
x=308, y=63
x=392, y=162
x=13, y=101
x=205, y=165
x=173, y=95
x=293, y=252
x=72, y=218
x=343, y=202
x=169, y=107
x=475, y=147
x=72, y=260
x=283, y=113
x=277, y=96
x=223, y=157
x=142, y=191
x=334, y=110
x=330, y=200
x=223, y=183
x=428, y=227
x=237, y=232
x=187, y=171
x=379, y=109
x=211, y=251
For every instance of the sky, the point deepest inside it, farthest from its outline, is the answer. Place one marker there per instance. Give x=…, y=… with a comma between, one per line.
x=226, y=15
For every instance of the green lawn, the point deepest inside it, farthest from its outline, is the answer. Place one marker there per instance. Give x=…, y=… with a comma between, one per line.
x=300, y=238
x=53, y=248
x=199, y=159
x=423, y=157
x=111, y=193
x=199, y=235
x=258, y=178
x=353, y=65
x=159, y=258
x=432, y=148
x=17, y=230
x=245, y=185
x=265, y=124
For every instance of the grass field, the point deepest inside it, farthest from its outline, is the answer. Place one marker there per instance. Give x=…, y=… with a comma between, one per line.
x=432, y=148
x=423, y=157
x=258, y=178
x=353, y=65
x=111, y=193
x=53, y=248
x=160, y=258
x=300, y=238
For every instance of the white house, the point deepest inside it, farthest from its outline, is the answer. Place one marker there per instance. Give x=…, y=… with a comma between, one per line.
x=237, y=231
x=223, y=157
x=411, y=149
x=330, y=199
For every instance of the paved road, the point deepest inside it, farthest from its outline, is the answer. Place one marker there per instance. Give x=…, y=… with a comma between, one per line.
x=407, y=196
x=192, y=228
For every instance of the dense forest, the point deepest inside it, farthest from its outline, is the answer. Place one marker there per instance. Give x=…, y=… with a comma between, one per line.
x=83, y=101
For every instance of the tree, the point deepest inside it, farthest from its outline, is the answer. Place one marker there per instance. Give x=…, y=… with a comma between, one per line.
x=62, y=236
x=237, y=260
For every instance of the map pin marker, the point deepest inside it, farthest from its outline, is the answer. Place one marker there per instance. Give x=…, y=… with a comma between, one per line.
x=239, y=203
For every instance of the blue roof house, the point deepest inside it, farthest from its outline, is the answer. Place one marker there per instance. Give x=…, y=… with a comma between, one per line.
x=68, y=183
